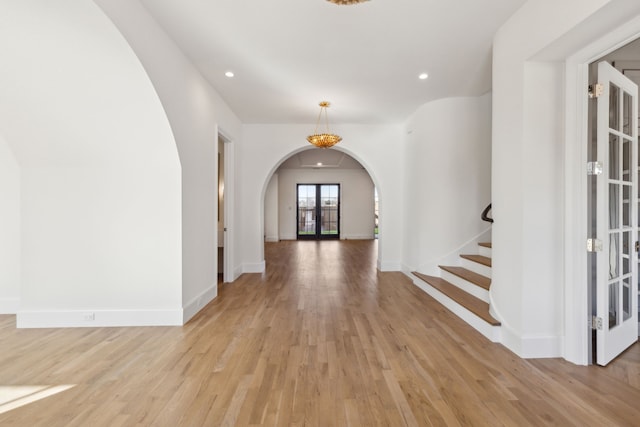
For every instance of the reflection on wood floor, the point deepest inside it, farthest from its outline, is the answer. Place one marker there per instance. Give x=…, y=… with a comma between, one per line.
x=320, y=339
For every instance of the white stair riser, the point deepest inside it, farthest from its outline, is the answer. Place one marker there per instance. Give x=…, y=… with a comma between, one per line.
x=484, y=251
x=493, y=333
x=466, y=286
x=476, y=267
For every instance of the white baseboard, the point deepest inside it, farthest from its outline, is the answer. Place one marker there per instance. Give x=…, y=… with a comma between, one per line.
x=357, y=237
x=196, y=304
x=237, y=272
x=542, y=346
x=389, y=266
x=9, y=305
x=532, y=346
x=527, y=346
x=271, y=239
x=256, y=267
x=98, y=318
x=407, y=269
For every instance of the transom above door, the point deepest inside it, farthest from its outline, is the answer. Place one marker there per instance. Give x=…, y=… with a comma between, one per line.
x=318, y=211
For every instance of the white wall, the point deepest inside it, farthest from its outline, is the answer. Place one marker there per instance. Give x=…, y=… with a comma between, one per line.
x=196, y=113
x=447, y=170
x=379, y=148
x=356, y=200
x=99, y=172
x=9, y=230
x=271, y=209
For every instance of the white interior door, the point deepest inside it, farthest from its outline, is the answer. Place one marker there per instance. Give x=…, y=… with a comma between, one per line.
x=617, y=214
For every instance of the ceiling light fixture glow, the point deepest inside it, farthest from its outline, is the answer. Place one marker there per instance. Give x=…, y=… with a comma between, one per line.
x=229, y=74
x=423, y=76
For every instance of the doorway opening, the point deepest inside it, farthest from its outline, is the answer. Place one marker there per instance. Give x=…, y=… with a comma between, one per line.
x=222, y=247
x=613, y=191
x=317, y=193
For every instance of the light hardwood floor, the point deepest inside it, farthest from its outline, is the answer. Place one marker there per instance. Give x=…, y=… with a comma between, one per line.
x=320, y=339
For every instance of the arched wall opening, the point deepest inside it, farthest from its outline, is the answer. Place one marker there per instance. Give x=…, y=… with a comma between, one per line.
x=352, y=170
x=97, y=174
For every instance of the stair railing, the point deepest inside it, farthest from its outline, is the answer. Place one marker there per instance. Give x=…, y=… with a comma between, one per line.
x=485, y=214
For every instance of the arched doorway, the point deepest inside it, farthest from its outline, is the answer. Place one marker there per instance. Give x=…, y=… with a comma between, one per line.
x=290, y=205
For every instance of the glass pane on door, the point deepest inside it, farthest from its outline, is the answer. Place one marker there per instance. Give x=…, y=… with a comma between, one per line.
x=306, y=210
x=329, y=209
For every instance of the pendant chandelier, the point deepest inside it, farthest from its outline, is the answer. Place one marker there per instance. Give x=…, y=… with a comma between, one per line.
x=346, y=1
x=325, y=139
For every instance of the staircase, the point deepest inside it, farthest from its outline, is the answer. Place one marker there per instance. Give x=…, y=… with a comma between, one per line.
x=464, y=290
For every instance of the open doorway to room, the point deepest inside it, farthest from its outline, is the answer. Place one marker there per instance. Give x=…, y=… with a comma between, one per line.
x=221, y=209
x=376, y=212
x=311, y=180
x=613, y=190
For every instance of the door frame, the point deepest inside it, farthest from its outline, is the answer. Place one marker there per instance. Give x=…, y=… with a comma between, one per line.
x=228, y=273
x=577, y=330
x=318, y=207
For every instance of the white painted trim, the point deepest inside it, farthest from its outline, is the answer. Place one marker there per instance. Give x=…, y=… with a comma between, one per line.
x=492, y=333
x=357, y=237
x=527, y=346
x=406, y=269
x=271, y=239
x=196, y=304
x=237, y=272
x=256, y=267
x=575, y=221
x=229, y=207
x=101, y=318
x=539, y=346
x=576, y=333
x=389, y=266
x=9, y=305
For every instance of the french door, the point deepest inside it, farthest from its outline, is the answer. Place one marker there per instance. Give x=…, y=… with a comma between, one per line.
x=318, y=211
x=617, y=214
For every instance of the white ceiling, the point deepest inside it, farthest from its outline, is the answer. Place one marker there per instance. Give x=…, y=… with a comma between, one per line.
x=288, y=55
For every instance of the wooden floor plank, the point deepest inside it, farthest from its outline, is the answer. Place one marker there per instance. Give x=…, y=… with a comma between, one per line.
x=320, y=339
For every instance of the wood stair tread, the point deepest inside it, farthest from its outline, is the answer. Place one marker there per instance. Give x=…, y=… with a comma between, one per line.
x=468, y=301
x=485, y=244
x=468, y=275
x=479, y=259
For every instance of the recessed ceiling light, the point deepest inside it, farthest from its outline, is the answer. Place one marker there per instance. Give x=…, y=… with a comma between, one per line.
x=229, y=74
x=423, y=76
x=319, y=164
